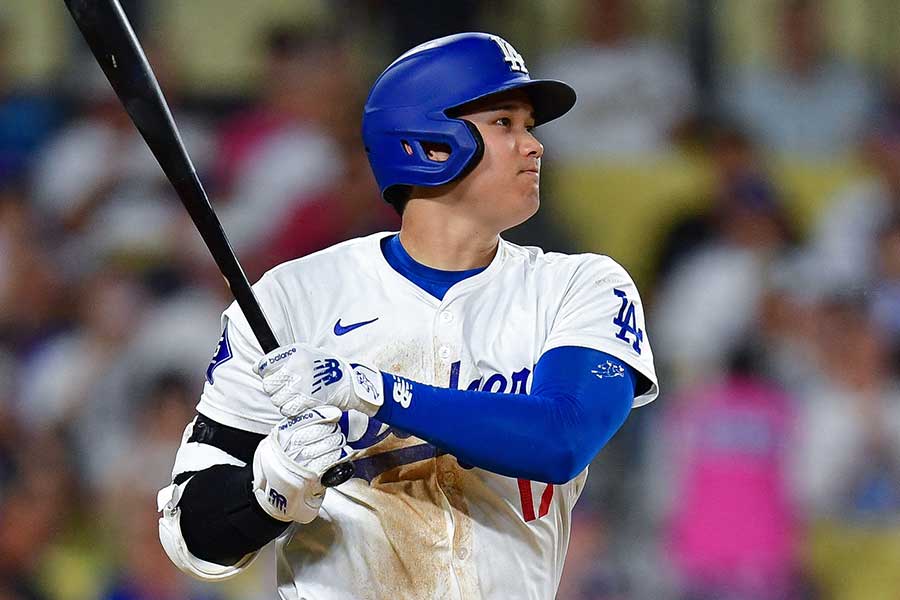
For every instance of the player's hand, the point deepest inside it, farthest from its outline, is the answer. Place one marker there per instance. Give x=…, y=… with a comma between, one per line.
x=288, y=463
x=299, y=377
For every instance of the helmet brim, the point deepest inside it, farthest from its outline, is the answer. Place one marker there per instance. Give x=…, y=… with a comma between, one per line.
x=550, y=98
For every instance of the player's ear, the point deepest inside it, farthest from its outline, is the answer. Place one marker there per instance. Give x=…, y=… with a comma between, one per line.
x=435, y=151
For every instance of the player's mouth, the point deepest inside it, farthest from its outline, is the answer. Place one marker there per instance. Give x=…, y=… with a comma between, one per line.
x=532, y=171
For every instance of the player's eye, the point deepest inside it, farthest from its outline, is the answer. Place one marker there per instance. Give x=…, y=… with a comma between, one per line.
x=530, y=128
x=504, y=122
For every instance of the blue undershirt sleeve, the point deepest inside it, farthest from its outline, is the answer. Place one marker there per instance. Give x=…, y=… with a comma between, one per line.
x=579, y=398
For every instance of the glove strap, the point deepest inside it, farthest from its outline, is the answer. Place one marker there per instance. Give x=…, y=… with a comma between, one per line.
x=368, y=387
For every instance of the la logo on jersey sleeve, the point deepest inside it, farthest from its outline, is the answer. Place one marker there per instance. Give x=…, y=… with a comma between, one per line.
x=222, y=354
x=626, y=321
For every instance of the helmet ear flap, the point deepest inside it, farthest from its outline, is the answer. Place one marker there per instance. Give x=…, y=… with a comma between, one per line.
x=416, y=149
x=478, y=154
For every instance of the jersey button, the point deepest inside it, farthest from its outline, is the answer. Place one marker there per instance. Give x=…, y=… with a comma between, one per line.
x=446, y=316
x=444, y=352
x=462, y=554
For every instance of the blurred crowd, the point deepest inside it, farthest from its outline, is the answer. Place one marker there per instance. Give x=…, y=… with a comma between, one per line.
x=769, y=468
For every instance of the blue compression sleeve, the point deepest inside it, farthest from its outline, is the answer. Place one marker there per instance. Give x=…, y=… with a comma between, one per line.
x=579, y=399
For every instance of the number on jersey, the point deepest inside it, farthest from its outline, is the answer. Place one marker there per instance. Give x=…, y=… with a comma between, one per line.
x=626, y=321
x=526, y=496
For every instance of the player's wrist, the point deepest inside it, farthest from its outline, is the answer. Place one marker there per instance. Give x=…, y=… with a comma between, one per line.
x=284, y=489
x=398, y=395
x=386, y=409
x=271, y=471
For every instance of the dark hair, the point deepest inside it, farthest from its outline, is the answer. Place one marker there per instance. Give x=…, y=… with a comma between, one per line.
x=398, y=197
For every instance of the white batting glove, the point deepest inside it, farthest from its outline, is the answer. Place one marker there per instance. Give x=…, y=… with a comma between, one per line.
x=288, y=463
x=299, y=377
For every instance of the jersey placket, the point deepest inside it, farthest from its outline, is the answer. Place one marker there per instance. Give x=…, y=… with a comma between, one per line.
x=447, y=327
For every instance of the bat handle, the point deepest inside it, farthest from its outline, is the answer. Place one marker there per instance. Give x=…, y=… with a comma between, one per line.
x=338, y=474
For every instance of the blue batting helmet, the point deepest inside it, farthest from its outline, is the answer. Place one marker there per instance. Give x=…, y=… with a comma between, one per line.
x=409, y=105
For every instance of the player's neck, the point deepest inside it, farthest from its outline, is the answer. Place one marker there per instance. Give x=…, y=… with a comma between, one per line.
x=448, y=243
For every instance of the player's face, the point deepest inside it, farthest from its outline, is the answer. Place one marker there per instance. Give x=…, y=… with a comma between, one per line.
x=504, y=186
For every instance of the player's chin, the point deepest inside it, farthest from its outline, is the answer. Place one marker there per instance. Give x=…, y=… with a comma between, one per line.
x=534, y=203
x=531, y=198
x=527, y=205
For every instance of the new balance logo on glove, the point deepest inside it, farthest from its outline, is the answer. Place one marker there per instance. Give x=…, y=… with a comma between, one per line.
x=265, y=364
x=277, y=500
x=326, y=371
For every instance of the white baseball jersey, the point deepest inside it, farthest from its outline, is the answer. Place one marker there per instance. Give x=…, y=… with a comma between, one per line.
x=414, y=523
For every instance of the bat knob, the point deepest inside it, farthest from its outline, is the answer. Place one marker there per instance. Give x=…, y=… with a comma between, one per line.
x=338, y=474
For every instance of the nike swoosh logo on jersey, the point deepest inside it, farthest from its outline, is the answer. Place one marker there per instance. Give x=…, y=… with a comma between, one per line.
x=342, y=329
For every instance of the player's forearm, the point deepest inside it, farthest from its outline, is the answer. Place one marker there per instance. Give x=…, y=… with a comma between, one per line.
x=550, y=435
x=221, y=521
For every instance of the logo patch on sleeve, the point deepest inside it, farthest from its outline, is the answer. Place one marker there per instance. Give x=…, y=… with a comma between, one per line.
x=627, y=323
x=402, y=392
x=222, y=354
x=608, y=369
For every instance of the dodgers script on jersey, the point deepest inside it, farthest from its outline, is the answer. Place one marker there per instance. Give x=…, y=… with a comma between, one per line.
x=414, y=522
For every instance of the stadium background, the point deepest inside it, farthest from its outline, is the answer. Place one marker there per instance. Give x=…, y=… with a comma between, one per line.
x=741, y=159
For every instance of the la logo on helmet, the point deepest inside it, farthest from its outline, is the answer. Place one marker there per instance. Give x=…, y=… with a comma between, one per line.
x=510, y=55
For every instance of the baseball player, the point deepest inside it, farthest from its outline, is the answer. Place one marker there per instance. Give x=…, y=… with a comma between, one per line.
x=470, y=380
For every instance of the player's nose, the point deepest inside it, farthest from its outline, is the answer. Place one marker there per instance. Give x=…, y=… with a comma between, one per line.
x=530, y=146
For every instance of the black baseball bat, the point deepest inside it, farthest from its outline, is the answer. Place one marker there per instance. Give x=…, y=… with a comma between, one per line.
x=111, y=38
